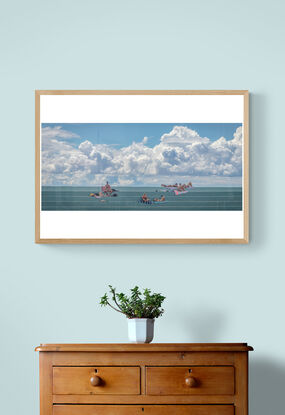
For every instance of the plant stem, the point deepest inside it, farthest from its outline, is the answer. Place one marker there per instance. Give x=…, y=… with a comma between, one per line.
x=117, y=304
x=114, y=308
x=113, y=291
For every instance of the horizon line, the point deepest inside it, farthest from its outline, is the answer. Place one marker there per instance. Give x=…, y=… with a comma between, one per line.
x=143, y=185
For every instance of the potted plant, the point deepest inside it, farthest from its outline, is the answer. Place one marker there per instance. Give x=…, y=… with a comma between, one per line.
x=141, y=308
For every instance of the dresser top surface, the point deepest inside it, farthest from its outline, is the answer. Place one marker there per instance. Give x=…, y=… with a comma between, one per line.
x=153, y=347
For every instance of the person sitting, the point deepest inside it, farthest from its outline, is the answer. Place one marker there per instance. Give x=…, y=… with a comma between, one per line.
x=108, y=188
x=145, y=199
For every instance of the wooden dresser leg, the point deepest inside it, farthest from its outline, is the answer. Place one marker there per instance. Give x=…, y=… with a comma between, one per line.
x=46, y=383
x=241, y=383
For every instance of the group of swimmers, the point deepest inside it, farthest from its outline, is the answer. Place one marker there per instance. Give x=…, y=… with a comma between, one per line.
x=180, y=187
x=108, y=191
x=183, y=187
x=145, y=199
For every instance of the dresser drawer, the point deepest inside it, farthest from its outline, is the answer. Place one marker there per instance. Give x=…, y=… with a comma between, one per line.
x=195, y=380
x=143, y=410
x=96, y=380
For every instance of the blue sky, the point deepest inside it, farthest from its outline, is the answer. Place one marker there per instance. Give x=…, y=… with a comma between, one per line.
x=142, y=154
x=122, y=135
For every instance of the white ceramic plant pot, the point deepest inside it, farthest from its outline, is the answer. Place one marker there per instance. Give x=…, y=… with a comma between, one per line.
x=140, y=330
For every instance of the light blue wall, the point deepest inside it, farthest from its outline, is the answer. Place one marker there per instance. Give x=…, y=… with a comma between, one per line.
x=214, y=293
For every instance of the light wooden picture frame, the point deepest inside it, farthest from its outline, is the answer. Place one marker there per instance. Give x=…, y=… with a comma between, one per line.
x=142, y=167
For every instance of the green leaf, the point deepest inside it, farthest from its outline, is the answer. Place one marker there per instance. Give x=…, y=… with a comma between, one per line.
x=140, y=304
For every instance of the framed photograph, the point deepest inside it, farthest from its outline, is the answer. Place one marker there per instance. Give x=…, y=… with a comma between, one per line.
x=144, y=167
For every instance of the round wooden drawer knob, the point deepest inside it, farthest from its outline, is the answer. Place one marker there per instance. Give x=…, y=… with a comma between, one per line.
x=191, y=382
x=95, y=380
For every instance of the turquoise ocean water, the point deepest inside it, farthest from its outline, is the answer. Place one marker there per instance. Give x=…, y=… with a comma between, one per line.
x=201, y=198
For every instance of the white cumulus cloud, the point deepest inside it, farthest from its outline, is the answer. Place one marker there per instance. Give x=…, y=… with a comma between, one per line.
x=180, y=155
x=57, y=132
x=183, y=135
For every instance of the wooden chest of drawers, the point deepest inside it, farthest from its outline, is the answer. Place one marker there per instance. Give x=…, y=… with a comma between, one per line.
x=144, y=379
